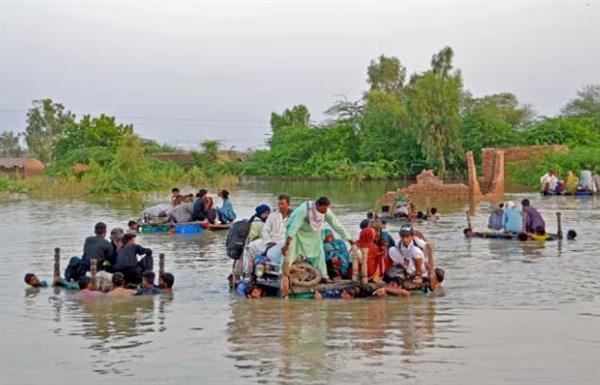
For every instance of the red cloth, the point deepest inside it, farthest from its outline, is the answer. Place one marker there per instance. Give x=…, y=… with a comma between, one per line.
x=377, y=258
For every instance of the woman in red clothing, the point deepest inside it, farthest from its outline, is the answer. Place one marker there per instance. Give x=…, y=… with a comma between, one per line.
x=377, y=257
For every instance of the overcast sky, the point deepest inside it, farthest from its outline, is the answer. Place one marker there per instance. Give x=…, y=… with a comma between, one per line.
x=186, y=71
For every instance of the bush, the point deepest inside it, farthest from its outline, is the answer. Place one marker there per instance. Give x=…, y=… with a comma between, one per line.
x=577, y=159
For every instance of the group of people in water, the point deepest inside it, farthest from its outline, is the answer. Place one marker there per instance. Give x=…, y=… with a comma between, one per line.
x=199, y=207
x=274, y=240
x=118, y=269
x=552, y=184
x=508, y=221
x=311, y=233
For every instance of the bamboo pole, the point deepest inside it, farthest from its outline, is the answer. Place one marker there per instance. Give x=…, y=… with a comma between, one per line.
x=559, y=231
x=56, y=273
x=428, y=204
x=161, y=264
x=93, y=271
x=469, y=221
x=524, y=222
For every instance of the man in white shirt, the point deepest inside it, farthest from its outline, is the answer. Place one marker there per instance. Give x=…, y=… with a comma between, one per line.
x=549, y=181
x=182, y=211
x=409, y=252
x=273, y=232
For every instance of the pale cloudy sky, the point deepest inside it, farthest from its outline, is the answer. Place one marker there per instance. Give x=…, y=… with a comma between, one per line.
x=185, y=71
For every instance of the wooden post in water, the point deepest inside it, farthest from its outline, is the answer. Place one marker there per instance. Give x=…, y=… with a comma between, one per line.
x=285, y=279
x=469, y=221
x=363, y=266
x=431, y=270
x=93, y=271
x=428, y=204
x=524, y=222
x=355, y=254
x=559, y=231
x=56, y=273
x=161, y=264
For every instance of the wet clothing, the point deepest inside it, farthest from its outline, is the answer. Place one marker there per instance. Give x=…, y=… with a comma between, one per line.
x=495, y=222
x=67, y=285
x=225, y=212
x=305, y=228
x=98, y=248
x=336, y=256
x=274, y=227
x=155, y=211
x=387, y=238
x=199, y=210
x=549, y=182
x=182, y=213
x=128, y=264
x=89, y=294
x=152, y=290
x=545, y=237
x=407, y=256
x=533, y=220
x=587, y=182
x=377, y=258
x=512, y=221
x=571, y=182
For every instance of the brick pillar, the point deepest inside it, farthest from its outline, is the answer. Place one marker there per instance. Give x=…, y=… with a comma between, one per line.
x=488, y=162
x=474, y=190
x=497, y=185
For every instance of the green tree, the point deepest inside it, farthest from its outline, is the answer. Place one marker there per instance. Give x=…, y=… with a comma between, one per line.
x=88, y=133
x=434, y=100
x=46, y=121
x=386, y=74
x=571, y=130
x=210, y=150
x=504, y=106
x=586, y=103
x=492, y=121
x=9, y=145
x=297, y=115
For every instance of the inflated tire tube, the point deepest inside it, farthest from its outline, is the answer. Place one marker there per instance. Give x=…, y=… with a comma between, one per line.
x=304, y=275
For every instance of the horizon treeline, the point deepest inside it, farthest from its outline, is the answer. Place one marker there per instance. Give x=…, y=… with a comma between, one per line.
x=400, y=126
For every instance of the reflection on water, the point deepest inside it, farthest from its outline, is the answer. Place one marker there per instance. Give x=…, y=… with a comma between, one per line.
x=311, y=341
x=512, y=312
x=109, y=325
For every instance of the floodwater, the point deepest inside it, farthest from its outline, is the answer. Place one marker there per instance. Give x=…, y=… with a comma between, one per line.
x=521, y=313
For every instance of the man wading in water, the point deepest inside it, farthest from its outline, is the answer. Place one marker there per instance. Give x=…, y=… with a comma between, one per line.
x=305, y=233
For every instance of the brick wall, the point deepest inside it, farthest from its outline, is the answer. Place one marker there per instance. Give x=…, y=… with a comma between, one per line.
x=524, y=153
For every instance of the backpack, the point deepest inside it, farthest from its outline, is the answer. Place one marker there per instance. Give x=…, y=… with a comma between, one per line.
x=75, y=269
x=236, y=238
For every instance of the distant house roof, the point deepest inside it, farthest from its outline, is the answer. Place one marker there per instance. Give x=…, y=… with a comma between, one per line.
x=28, y=163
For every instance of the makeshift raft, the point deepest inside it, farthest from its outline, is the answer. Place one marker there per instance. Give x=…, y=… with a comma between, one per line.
x=576, y=193
x=301, y=280
x=180, y=228
x=512, y=236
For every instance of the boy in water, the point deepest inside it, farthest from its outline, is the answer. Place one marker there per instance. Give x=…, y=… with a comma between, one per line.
x=254, y=292
x=148, y=287
x=87, y=290
x=33, y=281
x=118, y=280
x=165, y=282
x=394, y=288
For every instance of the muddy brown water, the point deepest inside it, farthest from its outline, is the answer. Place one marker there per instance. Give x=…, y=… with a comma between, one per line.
x=519, y=313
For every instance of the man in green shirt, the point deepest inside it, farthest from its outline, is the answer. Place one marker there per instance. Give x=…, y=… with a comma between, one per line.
x=304, y=233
